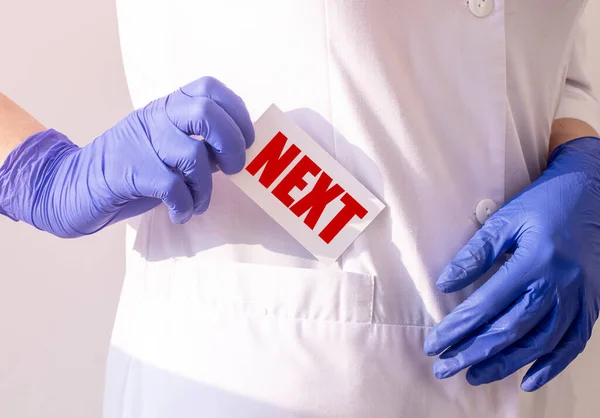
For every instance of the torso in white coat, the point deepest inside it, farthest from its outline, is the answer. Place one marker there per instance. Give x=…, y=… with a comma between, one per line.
x=432, y=108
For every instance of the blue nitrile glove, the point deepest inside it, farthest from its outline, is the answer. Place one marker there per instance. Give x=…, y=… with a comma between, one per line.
x=148, y=157
x=542, y=303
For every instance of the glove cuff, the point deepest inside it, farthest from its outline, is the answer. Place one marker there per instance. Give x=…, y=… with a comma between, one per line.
x=581, y=154
x=27, y=169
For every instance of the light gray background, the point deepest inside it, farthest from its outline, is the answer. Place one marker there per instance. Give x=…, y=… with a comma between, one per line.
x=61, y=61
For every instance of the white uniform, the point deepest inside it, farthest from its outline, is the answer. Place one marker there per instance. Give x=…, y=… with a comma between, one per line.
x=434, y=105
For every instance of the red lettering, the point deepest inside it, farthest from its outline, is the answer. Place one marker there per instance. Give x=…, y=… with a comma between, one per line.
x=295, y=178
x=351, y=208
x=317, y=200
x=271, y=158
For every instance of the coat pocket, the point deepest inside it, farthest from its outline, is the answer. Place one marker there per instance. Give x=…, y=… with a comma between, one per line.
x=272, y=291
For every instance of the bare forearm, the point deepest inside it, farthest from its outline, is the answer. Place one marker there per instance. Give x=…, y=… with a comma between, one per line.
x=16, y=125
x=565, y=130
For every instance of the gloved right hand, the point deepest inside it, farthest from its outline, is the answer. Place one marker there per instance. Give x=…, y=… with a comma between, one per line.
x=148, y=157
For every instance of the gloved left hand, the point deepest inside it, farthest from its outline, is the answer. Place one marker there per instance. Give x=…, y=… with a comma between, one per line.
x=542, y=303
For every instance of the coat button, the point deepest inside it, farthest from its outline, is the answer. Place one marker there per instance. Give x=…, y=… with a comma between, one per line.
x=485, y=209
x=481, y=8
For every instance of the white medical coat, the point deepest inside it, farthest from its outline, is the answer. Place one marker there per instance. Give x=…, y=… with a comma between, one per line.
x=432, y=108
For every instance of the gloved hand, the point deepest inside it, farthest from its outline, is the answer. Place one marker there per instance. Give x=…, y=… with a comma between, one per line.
x=146, y=158
x=542, y=303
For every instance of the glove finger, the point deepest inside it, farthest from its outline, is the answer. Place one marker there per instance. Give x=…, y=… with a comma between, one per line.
x=475, y=258
x=550, y=365
x=537, y=343
x=202, y=116
x=191, y=158
x=230, y=102
x=510, y=326
x=493, y=297
x=135, y=207
x=169, y=187
x=198, y=177
x=214, y=167
x=201, y=181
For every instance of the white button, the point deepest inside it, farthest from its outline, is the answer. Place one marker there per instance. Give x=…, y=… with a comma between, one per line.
x=485, y=209
x=481, y=8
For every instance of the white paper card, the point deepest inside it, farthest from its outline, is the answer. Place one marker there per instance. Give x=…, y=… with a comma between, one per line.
x=304, y=189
